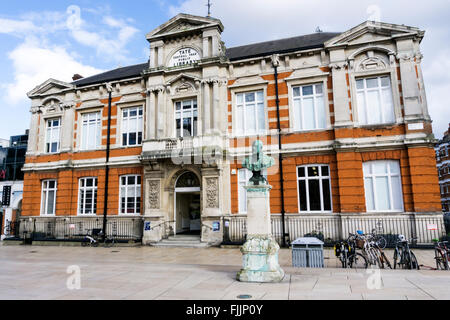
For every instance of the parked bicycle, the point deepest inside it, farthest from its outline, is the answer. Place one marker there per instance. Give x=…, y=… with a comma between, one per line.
x=372, y=250
x=379, y=239
x=404, y=258
x=94, y=239
x=346, y=252
x=441, y=255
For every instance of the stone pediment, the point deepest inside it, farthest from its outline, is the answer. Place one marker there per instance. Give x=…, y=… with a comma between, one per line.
x=49, y=87
x=373, y=32
x=181, y=24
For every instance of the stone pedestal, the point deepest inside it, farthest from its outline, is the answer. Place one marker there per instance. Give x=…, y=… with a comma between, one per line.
x=260, y=251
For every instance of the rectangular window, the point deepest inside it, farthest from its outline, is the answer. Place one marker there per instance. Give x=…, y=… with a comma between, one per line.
x=87, y=198
x=244, y=176
x=130, y=195
x=48, y=201
x=383, y=186
x=375, y=103
x=53, y=135
x=309, y=107
x=186, y=118
x=132, y=123
x=250, y=113
x=314, y=188
x=91, y=131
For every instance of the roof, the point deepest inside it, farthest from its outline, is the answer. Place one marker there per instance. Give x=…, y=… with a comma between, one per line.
x=116, y=74
x=310, y=41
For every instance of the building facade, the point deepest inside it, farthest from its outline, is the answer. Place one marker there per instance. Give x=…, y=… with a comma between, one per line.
x=12, y=159
x=443, y=168
x=348, y=109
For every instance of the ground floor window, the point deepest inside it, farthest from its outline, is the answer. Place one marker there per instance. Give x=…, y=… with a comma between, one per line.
x=87, y=199
x=314, y=188
x=48, y=202
x=383, y=186
x=130, y=194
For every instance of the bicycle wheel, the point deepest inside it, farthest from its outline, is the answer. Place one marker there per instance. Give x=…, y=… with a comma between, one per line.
x=386, y=260
x=396, y=258
x=358, y=261
x=440, y=263
x=84, y=242
x=109, y=242
x=414, y=264
x=381, y=242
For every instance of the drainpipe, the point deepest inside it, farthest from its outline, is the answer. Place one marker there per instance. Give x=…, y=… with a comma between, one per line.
x=108, y=147
x=275, y=64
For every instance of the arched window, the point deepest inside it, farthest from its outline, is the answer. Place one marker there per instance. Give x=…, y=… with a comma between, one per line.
x=188, y=180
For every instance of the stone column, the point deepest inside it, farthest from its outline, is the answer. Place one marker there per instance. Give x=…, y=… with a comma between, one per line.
x=338, y=65
x=160, y=115
x=151, y=115
x=206, y=108
x=67, y=129
x=216, y=107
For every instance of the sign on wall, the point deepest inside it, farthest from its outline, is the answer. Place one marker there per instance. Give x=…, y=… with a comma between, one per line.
x=184, y=57
x=6, y=196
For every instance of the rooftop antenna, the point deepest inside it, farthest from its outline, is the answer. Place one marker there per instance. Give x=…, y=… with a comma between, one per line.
x=209, y=5
x=318, y=30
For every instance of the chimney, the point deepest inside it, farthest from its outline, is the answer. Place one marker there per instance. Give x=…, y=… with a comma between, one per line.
x=76, y=77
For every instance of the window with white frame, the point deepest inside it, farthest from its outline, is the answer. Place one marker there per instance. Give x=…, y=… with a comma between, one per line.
x=132, y=123
x=91, y=131
x=383, y=186
x=244, y=176
x=309, y=107
x=130, y=194
x=375, y=102
x=52, y=135
x=186, y=118
x=87, y=198
x=314, y=188
x=250, y=113
x=48, y=201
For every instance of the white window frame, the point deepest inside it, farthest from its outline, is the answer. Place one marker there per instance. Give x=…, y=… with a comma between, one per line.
x=193, y=110
x=49, y=135
x=44, y=197
x=240, y=132
x=379, y=89
x=306, y=178
x=389, y=175
x=139, y=118
x=94, y=189
x=299, y=124
x=85, y=137
x=136, y=186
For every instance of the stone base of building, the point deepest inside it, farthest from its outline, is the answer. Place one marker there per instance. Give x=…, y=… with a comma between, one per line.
x=260, y=260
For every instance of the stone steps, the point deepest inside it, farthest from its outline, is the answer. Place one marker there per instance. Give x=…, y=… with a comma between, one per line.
x=182, y=241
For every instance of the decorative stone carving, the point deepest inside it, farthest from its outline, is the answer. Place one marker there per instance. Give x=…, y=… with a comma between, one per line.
x=212, y=196
x=372, y=63
x=154, y=193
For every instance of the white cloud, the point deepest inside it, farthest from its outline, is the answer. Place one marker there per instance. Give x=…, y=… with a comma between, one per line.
x=17, y=27
x=252, y=21
x=34, y=64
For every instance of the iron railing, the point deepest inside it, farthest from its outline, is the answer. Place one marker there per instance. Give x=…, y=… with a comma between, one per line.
x=332, y=228
x=74, y=228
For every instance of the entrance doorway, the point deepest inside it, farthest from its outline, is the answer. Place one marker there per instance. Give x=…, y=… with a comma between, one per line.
x=187, y=206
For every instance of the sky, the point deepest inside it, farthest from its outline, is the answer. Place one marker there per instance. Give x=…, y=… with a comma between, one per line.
x=56, y=39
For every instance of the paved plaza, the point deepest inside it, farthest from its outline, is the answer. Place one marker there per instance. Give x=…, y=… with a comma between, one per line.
x=33, y=272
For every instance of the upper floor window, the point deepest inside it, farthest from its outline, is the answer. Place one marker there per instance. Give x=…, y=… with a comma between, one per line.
x=87, y=198
x=314, y=188
x=132, y=120
x=48, y=201
x=250, y=113
x=92, y=131
x=52, y=135
x=383, y=186
x=186, y=118
x=375, y=103
x=309, y=107
x=130, y=194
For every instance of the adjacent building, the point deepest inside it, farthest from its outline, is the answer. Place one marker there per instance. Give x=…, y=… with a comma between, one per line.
x=443, y=168
x=349, y=110
x=12, y=159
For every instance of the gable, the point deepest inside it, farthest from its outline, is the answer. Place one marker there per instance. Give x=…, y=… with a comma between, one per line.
x=372, y=32
x=51, y=86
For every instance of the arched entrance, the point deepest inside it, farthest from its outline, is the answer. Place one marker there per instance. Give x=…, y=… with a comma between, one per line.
x=187, y=205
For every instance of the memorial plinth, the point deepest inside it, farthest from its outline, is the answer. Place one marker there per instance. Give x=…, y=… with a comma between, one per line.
x=260, y=251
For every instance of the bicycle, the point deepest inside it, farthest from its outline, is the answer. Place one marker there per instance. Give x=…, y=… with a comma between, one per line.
x=92, y=239
x=379, y=239
x=441, y=255
x=373, y=251
x=346, y=252
x=404, y=255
